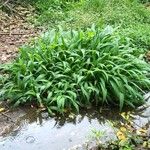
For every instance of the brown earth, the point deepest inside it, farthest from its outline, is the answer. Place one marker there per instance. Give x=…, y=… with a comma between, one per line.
x=9, y=118
x=148, y=56
x=15, y=30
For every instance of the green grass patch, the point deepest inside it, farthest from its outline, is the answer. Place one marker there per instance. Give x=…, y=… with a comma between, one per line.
x=76, y=68
x=131, y=16
x=83, y=13
x=50, y=13
x=139, y=35
x=116, y=12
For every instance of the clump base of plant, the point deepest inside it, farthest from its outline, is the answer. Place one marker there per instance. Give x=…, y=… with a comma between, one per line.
x=76, y=68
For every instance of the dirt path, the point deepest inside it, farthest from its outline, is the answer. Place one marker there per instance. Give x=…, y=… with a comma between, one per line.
x=15, y=30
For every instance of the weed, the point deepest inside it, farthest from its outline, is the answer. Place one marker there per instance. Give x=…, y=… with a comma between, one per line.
x=139, y=35
x=118, y=12
x=68, y=69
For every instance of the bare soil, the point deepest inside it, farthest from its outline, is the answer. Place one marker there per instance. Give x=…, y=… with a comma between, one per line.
x=9, y=118
x=15, y=30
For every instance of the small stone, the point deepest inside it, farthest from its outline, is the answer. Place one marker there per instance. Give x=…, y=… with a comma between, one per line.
x=30, y=139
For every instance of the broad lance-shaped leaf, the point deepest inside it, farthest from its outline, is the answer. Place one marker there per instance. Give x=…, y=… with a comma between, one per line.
x=73, y=102
x=72, y=94
x=39, y=98
x=85, y=93
x=49, y=96
x=66, y=69
x=40, y=77
x=93, y=89
x=60, y=102
x=103, y=89
x=118, y=93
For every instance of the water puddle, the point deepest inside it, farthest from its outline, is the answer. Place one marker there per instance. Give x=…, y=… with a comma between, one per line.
x=40, y=132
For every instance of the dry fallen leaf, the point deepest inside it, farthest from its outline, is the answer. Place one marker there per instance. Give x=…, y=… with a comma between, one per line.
x=123, y=129
x=145, y=144
x=2, y=109
x=141, y=131
x=121, y=136
x=125, y=115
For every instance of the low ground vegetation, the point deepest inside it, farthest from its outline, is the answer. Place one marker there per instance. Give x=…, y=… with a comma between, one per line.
x=68, y=69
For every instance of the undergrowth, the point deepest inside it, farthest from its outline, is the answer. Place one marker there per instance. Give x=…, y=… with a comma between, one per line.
x=139, y=34
x=76, y=68
x=131, y=16
x=116, y=12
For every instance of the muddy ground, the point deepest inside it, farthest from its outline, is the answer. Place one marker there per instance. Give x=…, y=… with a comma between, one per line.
x=9, y=118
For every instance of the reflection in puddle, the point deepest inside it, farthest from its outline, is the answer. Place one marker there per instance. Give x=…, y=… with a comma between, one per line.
x=40, y=132
x=142, y=116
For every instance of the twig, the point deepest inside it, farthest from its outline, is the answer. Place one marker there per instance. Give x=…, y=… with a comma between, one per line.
x=15, y=11
x=5, y=3
x=1, y=113
x=7, y=33
x=11, y=9
x=4, y=114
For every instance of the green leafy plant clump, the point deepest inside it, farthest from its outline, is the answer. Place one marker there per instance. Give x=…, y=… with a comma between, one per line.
x=72, y=69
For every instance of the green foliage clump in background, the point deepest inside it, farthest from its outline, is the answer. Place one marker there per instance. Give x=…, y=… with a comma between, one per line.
x=51, y=11
x=76, y=68
x=131, y=16
x=139, y=34
x=114, y=12
x=118, y=12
